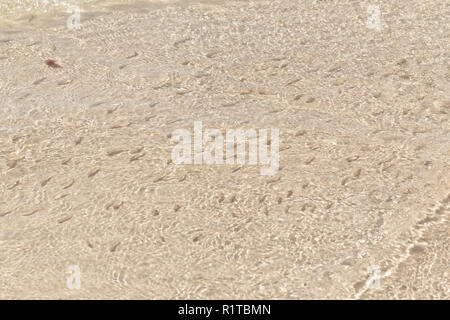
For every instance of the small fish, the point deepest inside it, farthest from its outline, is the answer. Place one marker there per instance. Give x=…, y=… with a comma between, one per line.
x=64, y=219
x=93, y=172
x=51, y=63
x=5, y=213
x=114, y=246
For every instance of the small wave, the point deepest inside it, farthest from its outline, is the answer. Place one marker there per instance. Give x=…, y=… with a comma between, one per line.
x=18, y=15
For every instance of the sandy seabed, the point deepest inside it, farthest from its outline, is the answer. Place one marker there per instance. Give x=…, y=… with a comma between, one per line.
x=86, y=177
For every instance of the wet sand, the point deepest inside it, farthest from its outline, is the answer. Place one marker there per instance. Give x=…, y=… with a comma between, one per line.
x=87, y=180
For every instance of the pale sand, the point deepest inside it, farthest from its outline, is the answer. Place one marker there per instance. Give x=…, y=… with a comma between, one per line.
x=86, y=177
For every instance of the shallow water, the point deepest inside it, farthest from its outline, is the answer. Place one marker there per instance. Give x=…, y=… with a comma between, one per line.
x=14, y=9
x=19, y=16
x=86, y=177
